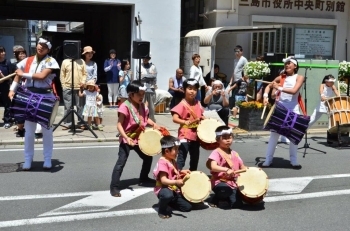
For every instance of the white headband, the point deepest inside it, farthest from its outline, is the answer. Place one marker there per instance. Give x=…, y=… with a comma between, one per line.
x=290, y=59
x=330, y=80
x=192, y=82
x=143, y=88
x=41, y=40
x=171, y=144
x=228, y=132
x=217, y=82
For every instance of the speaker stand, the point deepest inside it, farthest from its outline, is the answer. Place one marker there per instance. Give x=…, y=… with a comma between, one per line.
x=72, y=111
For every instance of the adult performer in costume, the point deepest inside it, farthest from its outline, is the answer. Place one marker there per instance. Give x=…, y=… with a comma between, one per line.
x=38, y=72
x=287, y=95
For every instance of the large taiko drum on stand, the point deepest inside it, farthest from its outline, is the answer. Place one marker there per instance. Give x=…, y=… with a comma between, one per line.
x=149, y=140
x=252, y=185
x=197, y=187
x=37, y=108
x=206, y=133
x=287, y=123
x=339, y=114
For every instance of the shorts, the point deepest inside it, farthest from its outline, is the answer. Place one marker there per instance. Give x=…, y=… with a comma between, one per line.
x=100, y=114
x=239, y=98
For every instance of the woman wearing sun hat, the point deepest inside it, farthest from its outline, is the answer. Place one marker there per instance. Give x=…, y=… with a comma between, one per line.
x=91, y=66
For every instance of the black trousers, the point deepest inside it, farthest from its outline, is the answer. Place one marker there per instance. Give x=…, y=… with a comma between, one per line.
x=6, y=102
x=124, y=151
x=191, y=147
x=224, y=192
x=175, y=200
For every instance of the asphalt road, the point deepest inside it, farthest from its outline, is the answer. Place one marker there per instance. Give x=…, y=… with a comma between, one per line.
x=74, y=194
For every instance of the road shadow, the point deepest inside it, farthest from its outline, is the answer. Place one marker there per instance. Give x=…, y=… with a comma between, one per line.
x=134, y=183
x=277, y=162
x=37, y=166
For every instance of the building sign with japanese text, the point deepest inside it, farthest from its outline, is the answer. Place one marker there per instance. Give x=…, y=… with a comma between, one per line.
x=321, y=5
x=311, y=42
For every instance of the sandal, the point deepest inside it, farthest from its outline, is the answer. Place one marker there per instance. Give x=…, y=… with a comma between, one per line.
x=162, y=216
x=213, y=205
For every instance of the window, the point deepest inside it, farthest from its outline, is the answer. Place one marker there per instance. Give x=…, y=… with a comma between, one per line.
x=61, y=27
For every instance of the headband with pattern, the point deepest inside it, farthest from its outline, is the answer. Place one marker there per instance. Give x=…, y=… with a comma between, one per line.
x=48, y=44
x=171, y=144
x=223, y=132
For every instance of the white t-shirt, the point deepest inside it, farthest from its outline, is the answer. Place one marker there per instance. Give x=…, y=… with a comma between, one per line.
x=238, y=65
x=46, y=63
x=197, y=74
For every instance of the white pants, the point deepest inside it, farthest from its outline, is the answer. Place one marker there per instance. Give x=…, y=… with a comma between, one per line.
x=31, y=128
x=113, y=89
x=271, y=147
x=315, y=116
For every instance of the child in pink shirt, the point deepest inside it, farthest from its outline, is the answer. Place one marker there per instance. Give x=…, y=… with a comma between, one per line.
x=188, y=113
x=223, y=162
x=132, y=119
x=168, y=179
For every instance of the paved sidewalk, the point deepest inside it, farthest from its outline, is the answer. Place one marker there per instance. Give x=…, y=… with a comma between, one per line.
x=8, y=136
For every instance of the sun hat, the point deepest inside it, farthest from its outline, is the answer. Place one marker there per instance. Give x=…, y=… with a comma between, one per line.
x=88, y=49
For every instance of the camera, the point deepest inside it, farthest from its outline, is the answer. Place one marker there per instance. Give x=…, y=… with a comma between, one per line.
x=218, y=91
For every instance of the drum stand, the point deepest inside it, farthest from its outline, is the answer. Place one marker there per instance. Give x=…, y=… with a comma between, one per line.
x=72, y=111
x=306, y=144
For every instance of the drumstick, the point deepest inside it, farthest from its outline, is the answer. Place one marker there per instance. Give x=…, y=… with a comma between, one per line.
x=7, y=77
x=241, y=170
x=263, y=81
x=262, y=115
x=249, y=96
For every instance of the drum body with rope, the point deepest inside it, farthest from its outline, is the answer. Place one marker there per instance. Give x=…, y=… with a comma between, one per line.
x=252, y=185
x=287, y=123
x=339, y=114
x=197, y=187
x=149, y=141
x=37, y=108
x=206, y=133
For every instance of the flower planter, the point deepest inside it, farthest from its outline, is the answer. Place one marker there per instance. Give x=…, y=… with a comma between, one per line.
x=250, y=119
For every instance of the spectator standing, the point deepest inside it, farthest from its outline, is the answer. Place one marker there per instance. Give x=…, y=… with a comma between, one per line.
x=6, y=68
x=112, y=68
x=238, y=65
x=125, y=77
x=66, y=77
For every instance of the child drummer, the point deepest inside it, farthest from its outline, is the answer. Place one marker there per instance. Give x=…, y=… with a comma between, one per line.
x=132, y=119
x=223, y=164
x=168, y=179
x=188, y=113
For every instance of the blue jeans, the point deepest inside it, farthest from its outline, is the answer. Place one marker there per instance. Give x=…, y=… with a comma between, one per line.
x=124, y=150
x=175, y=200
x=239, y=98
x=224, y=192
x=191, y=147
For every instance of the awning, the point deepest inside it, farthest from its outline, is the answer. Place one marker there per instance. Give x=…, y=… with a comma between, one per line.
x=208, y=36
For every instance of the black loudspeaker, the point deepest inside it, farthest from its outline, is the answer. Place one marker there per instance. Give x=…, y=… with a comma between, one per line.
x=140, y=49
x=71, y=49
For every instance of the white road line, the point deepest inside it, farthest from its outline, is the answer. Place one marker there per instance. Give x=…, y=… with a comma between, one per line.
x=81, y=217
x=62, y=148
x=97, y=202
x=307, y=195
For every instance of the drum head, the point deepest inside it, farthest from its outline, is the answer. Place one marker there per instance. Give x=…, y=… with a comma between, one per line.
x=206, y=130
x=149, y=142
x=197, y=187
x=269, y=115
x=54, y=112
x=253, y=183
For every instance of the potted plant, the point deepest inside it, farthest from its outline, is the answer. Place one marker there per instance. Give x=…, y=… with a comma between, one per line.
x=250, y=115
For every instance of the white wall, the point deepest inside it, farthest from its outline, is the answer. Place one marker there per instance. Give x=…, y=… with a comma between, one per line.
x=160, y=26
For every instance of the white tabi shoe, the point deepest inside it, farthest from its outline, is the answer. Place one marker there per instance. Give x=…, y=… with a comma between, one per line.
x=47, y=164
x=27, y=165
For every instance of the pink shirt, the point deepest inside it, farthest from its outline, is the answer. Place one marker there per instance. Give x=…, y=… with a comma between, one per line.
x=129, y=123
x=163, y=165
x=184, y=113
x=216, y=176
